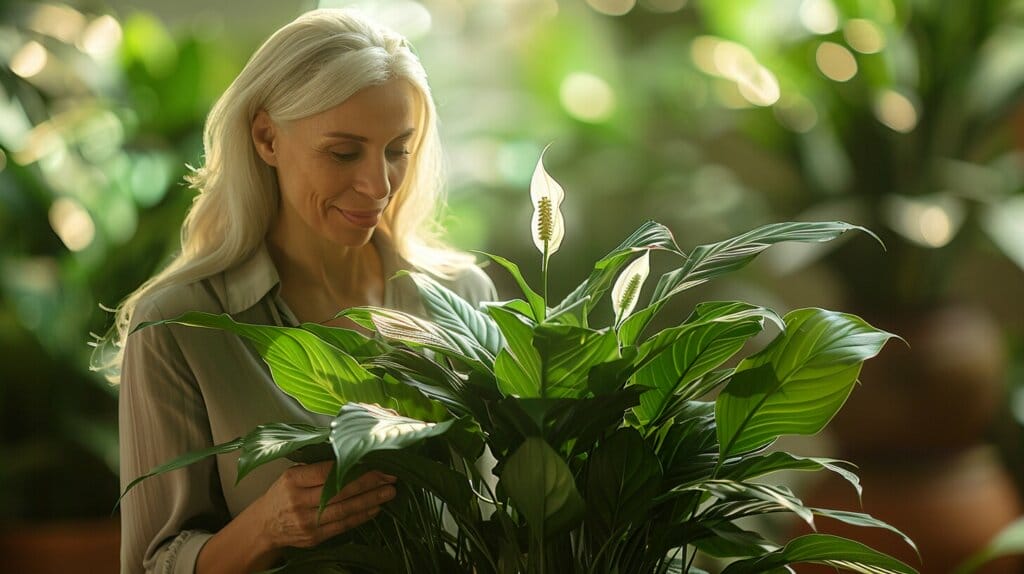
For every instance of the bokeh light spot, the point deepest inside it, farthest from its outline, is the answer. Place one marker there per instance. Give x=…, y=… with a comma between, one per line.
x=864, y=36
x=835, y=61
x=587, y=97
x=29, y=60
x=612, y=7
x=101, y=37
x=819, y=16
x=896, y=111
x=72, y=223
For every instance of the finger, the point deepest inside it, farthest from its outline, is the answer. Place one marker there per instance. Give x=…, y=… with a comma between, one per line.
x=364, y=483
x=333, y=529
x=309, y=475
x=357, y=505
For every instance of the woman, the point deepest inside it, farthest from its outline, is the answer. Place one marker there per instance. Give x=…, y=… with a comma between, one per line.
x=321, y=180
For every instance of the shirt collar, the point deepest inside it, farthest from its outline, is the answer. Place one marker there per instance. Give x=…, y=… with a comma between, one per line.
x=248, y=282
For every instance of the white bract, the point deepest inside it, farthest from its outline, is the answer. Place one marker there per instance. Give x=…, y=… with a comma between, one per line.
x=547, y=223
x=626, y=291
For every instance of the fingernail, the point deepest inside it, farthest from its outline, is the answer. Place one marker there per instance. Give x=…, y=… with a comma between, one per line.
x=388, y=479
x=386, y=493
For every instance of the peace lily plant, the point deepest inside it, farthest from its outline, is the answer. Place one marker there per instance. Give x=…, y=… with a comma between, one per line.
x=608, y=454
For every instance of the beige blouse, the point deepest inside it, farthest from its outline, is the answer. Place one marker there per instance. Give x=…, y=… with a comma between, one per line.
x=186, y=388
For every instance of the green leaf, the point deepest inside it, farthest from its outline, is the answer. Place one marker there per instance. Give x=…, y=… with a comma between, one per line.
x=319, y=375
x=712, y=260
x=727, y=540
x=688, y=449
x=418, y=471
x=650, y=235
x=866, y=520
x=517, y=367
x=361, y=429
x=352, y=342
x=183, y=461
x=1009, y=542
x=797, y=383
x=415, y=332
x=269, y=442
x=622, y=479
x=730, y=490
x=823, y=549
x=567, y=354
x=542, y=488
x=678, y=357
x=755, y=466
x=535, y=301
x=455, y=315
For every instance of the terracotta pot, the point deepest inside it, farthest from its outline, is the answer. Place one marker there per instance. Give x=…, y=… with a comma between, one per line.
x=937, y=393
x=950, y=506
x=51, y=548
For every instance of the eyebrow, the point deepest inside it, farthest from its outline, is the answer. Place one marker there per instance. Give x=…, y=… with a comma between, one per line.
x=364, y=139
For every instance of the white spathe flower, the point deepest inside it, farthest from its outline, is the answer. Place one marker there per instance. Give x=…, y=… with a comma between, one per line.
x=626, y=291
x=547, y=195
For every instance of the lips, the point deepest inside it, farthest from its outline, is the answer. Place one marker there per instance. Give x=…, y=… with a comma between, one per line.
x=364, y=219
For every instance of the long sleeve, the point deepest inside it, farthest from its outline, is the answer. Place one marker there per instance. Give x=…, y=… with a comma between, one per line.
x=165, y=519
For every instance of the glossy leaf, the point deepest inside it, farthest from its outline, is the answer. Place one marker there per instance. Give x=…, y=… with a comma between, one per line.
x=414, y=331
x=755, y=466
x=317, y=374
x=797, y=383
x=623, y=476
x=650, y=235
x=518, y=366
x=567, y=354
x=535, y=301
x=708, y=261
x=272, y=441
x=678, y=357
x=363, y=428
x=455, y=315
x=823, y=549
x=542, y=488
x=183, y=461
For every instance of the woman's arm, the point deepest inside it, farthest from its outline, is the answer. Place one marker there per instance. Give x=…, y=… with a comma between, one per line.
x=166, y=519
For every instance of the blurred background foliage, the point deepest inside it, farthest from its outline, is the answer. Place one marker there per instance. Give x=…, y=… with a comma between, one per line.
x=710, y=116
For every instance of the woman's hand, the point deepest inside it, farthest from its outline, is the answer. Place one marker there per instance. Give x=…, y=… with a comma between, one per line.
x=286, y=516
x=288, y=510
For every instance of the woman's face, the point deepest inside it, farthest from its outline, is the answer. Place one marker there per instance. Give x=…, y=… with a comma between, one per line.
x=337, y=170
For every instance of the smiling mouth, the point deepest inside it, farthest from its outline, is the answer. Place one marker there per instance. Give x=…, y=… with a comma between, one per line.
x=364, y=219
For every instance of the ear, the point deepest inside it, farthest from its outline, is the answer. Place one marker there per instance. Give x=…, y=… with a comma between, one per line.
x=264, y=134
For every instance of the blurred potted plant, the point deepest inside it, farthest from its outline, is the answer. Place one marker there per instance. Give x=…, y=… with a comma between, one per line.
x=95, y=115
x=607, y=458
x=896, y=117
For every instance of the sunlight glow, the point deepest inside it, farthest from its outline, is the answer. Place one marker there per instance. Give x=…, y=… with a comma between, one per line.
x=819, y=16
x=612, y=7
x=835, y=61
x=72, y=223
x=101, y=37
x=864, y=36
x=61, y=22
x=29, y=60
x=896, y=111
x=587, y=97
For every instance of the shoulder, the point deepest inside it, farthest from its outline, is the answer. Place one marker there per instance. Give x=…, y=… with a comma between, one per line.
x=174, y=300
x=472, y=284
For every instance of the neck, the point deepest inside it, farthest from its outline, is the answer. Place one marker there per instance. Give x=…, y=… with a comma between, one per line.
x=306, y=262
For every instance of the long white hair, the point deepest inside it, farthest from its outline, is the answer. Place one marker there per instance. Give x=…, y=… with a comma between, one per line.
x=310, y=65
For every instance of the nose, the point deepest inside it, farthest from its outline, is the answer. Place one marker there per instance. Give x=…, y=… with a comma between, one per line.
x=374, y=178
